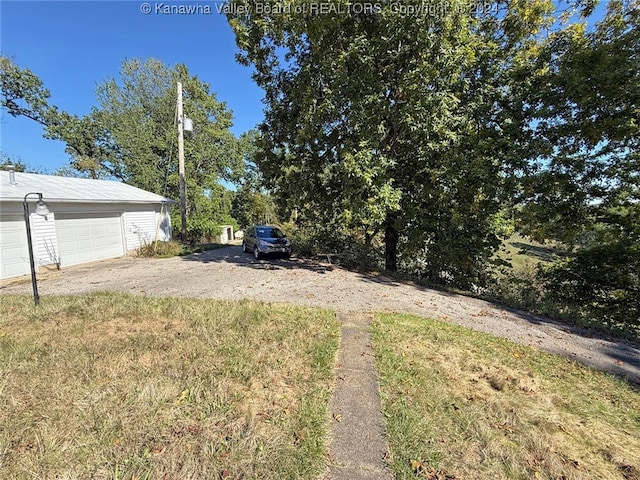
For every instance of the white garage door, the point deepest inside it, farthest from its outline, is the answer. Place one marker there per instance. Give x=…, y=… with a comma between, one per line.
x=14, y=252
x=88, y=237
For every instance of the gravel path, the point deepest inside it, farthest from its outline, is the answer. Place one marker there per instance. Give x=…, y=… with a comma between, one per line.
x=227, y=273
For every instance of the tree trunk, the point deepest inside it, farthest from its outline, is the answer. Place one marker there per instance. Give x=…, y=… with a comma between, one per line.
x=390, y=244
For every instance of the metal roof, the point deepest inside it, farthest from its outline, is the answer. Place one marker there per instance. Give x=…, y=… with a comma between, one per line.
x=69, y=189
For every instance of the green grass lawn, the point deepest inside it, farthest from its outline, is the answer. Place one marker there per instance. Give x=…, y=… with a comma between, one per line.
x=524, y=253
x=461, y=404
x=112, y=386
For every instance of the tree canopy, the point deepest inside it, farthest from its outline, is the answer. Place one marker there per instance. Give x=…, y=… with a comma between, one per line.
x=22, y=93
x=587, y=107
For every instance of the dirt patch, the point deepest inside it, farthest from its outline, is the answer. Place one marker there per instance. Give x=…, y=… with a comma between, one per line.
x=123, y=328
x=228, y=273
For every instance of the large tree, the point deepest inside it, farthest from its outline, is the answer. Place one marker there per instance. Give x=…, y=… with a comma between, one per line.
x=407, y=126
x=132, y=134
x=136, y=138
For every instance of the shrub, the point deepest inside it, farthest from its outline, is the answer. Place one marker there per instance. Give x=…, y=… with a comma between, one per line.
x=160, y=249
x=522, y=289
x=301, y=238
x=600, y=285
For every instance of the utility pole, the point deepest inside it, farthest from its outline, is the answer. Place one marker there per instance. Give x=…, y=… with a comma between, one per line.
x=183, y=187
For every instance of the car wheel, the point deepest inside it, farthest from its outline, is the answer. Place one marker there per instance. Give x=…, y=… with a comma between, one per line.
x=244, y=247
x=256, y=253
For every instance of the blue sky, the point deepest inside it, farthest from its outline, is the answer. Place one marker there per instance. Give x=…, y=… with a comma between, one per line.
x=74, y=45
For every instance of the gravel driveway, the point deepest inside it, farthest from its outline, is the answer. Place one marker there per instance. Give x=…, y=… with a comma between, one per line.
x=227, y=273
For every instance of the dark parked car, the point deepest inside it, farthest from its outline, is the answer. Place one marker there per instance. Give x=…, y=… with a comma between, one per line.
x=266, y=239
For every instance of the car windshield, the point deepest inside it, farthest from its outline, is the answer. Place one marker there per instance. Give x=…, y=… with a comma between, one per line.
x=269, y=232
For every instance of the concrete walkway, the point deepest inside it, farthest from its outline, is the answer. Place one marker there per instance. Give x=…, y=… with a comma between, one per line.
x=357, y=448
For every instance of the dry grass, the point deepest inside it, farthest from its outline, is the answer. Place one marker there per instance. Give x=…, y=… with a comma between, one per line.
x=111, y=386
x=469, y=405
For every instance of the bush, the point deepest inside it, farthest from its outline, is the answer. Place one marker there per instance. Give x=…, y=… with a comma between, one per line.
x=312, y=241
x=160, y=249
x=202, y=228
x=522, y=289
x=362, y=257
x=350, y=250
x=600, y=285
x=302, y=240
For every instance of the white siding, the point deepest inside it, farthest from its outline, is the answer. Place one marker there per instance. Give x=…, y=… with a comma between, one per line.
x=45, y=243
x=139, y=228
x=14, y=251
x=146, y=226
x=89, y=237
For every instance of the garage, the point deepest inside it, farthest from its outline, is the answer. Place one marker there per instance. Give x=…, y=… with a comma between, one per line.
x=86, y=220
x=86, y=238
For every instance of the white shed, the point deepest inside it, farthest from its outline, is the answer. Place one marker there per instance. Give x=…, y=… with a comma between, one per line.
x=88, y=220
x=226, y=233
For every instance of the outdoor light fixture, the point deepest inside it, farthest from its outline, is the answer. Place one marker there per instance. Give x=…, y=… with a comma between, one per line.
x=42, y=210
